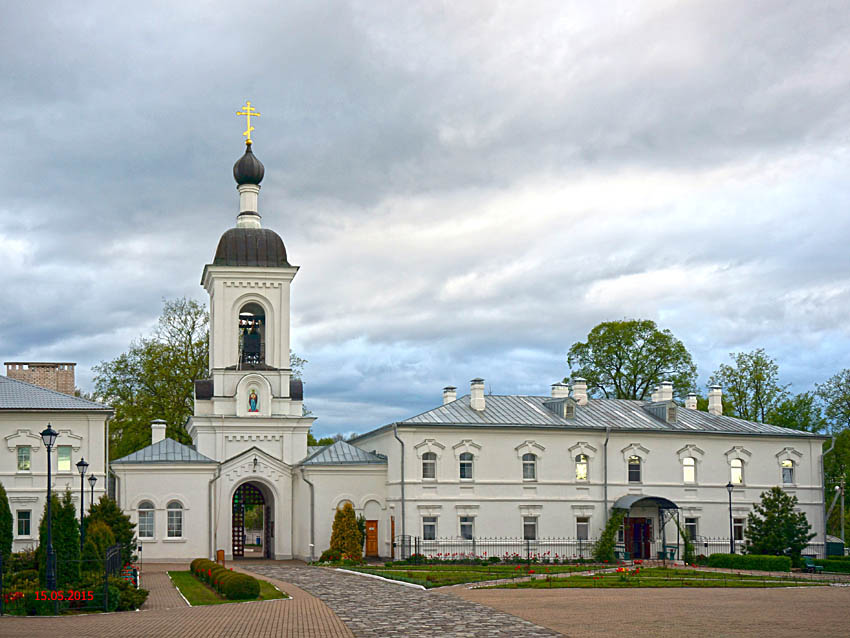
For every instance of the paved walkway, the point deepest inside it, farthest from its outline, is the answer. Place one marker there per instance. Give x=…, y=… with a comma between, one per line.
x=372, y=607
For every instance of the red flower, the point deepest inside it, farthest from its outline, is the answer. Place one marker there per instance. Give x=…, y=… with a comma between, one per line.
x=530, y=571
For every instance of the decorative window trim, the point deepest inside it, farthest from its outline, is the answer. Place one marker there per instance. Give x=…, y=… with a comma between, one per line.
x=429, y=509
x=467, y=510
x=635, y=449
x=12, y=443
x=789, y=454
x=738, y=452
x=530, y=510
x=691, y=450
x=529, y=447
x=467, y=446
x=582, y=447
x=429, y=445
x=76, y=441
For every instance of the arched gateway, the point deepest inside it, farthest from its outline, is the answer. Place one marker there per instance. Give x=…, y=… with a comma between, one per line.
x=252, y=521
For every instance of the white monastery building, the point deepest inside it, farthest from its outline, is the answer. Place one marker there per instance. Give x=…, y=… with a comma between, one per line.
x=524, y=467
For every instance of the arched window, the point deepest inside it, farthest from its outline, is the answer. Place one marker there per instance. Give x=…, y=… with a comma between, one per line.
x=634, y=469
x=175, y=519
x=787, y=472
x=581, y=467
x=146, y=519
x=689, y=469
x=736, y=467
x=429, y=465
x=529, y=467
x=466, y=465
x=252, y=334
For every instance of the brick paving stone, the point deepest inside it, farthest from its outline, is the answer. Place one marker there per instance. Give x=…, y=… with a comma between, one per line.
x=372, y=607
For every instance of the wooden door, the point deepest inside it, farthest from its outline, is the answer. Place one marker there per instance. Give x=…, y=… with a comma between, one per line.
x=371, y=538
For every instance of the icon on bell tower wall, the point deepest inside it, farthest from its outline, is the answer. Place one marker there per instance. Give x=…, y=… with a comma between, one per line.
x=253, y=401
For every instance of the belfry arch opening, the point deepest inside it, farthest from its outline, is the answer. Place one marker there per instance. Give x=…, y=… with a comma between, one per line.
x=252, y=521
x=252, y=335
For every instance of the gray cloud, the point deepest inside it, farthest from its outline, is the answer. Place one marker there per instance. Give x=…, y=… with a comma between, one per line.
x=468, y=189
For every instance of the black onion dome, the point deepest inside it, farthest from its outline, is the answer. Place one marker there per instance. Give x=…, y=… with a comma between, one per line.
x=248, y=169
x=250, y=247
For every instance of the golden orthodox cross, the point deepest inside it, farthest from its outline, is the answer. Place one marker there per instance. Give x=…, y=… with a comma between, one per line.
x=249, y=112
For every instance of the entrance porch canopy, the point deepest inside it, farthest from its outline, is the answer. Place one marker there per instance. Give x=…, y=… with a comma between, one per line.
x=629, y=500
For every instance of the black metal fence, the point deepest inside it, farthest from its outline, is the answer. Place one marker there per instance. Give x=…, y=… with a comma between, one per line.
x=82, y=585
x=559, y=550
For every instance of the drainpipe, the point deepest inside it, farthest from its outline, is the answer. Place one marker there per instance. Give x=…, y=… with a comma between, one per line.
x=823, y=488
x=605, y=470
x=395, y=434
x=312, y=516
x=214, y=528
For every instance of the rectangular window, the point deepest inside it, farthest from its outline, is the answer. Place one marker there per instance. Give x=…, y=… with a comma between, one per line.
x=24, y=453
x=787, y=472
x=24, y=519
x=738, y=525
x=175, y=523
x=691, y=528
x=466, y=527
x=634, y=469
x=63, y=455
x=621, y=534
x=529, y=528
x=429, y=528
x=145, y=523
x=583, y=528
x=466, y=466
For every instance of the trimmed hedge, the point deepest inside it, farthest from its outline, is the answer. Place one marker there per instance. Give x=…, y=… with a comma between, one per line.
x=232, y=585
x=839, y=566
x=751, y=561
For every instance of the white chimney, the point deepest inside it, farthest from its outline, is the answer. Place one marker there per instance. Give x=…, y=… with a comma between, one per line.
x=655, y=394
x=560, y=390
x=476, y=394
x=449, y=394
x=157, y=431
x=691, y=401
x=715, y=400
x=580, y=390
x=665, y=391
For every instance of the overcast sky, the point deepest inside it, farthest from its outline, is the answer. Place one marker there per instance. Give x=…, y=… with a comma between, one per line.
x=468, y=187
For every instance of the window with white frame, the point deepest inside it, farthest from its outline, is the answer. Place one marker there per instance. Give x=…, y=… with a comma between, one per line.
x=581, y=467
x=738, y=525
x=467, y=527
x=621, y=533
x=691, y=528
x=63, y=458
x=788, y=471
x=24, y=522
x=174, y=527
x=466, y=465
x=24, y=458
x=529, y=528
x=634, y=469
x=689, y=470
x=529, y=467
x=736, y=467
x=583, y=528
x=146, y=515
x=429, y=465
x=429, y=528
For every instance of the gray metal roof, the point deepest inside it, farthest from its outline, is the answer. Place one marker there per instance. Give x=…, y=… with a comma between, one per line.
x=165, y=451
x=618, y=414
x=20, y=395
x=342, y=453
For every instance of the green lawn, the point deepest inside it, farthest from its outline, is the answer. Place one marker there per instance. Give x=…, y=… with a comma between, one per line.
x=198, y=593
x=442, y=575
x=655, y=577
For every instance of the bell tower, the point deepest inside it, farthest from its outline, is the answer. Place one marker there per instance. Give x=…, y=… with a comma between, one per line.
x=250, y=398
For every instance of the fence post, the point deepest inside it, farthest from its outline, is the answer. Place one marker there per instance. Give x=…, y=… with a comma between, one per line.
x=1, y=584
x=106, y=581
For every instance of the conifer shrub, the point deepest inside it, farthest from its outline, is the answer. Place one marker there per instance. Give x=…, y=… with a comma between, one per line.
x=345, y=535
x=5, y=526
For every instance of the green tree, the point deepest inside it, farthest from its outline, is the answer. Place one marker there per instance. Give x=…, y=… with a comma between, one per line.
x=107, y=511
x=835, y=394
x=345, y=535
x=66, y=540
x=798, y=412
x=99, y=538
x=836, y=465
x=626, y=359
x=5, y=526
x=326, y=440
x=751, y=385
x=773, y=527
x=155, y=378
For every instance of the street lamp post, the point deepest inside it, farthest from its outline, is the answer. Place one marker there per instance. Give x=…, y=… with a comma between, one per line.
x=729, y=489
x=48, y=436
x=82, y=466
x=92, y=481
